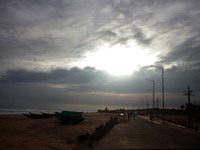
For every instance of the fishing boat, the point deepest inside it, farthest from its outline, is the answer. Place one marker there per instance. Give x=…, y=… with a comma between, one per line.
x=38, y=116
x=70, y=117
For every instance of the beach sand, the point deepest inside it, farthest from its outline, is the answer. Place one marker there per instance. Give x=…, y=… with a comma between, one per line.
x=18, y=132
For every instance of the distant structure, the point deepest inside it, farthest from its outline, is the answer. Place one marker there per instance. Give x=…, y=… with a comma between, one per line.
x=188, y=93
x=106, y=109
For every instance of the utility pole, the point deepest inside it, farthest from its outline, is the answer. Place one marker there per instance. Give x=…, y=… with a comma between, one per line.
x=188, y=93
x=147, y=104
x=142, y=104
x=153, y=92
x=163, y=97
x=157, y=102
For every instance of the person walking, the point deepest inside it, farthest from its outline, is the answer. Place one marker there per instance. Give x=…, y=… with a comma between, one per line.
x=124, y=115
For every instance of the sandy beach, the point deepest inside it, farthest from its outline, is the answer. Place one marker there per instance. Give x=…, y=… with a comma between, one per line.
x=19, y=132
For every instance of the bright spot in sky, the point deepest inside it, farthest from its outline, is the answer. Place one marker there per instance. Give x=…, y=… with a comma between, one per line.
x=118, y=60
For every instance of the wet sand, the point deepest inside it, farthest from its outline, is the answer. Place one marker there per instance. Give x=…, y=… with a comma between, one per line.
x=18, y=132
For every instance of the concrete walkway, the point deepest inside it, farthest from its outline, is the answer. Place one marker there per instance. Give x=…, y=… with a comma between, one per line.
x=142, y=134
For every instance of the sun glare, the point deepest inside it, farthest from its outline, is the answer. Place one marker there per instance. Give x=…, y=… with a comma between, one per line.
x=118, y=60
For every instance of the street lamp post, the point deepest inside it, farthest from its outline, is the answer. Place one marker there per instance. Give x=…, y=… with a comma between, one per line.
x=162, y=89
x=153, y=92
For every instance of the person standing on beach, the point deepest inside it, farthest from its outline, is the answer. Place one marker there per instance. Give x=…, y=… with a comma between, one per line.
x=134, y=116
x=124, y=115
x=129, y=115
x=151, y=116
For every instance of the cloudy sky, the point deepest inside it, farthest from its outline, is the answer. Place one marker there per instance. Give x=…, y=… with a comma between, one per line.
x=87, y=54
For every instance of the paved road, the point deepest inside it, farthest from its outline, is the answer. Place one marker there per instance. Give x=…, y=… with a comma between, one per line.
x=142, y=134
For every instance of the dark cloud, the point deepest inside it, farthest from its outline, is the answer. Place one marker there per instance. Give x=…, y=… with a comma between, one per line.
x=140, y=37
x=90, y=86
x=186, y=54
x=42, y=31
x=73, y=75
x=40, y=41
x=89, y=79
x=40, y=96
x=108, y=35
x=132, y=33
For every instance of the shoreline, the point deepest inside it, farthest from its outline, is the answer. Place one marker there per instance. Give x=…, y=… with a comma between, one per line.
x=21, y=111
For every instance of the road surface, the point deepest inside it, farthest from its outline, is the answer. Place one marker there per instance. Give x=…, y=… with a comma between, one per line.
x=143, y=134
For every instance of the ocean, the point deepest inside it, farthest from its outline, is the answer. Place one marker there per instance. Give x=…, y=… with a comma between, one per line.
x=21, y=111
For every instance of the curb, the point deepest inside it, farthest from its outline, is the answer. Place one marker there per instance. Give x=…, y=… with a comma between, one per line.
x=170, y=124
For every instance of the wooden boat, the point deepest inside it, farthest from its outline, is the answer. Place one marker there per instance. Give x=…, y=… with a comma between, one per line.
x=38, y=116
x=70, y=117
x=47, y=115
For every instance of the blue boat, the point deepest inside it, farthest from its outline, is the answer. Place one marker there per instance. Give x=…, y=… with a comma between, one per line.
x=70, y=117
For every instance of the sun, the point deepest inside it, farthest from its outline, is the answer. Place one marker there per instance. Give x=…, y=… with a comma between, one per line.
x=118, y=60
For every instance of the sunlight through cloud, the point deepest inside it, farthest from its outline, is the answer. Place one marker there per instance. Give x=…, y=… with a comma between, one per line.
x=118, y=59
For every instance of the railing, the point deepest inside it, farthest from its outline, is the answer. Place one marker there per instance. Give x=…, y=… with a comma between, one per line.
x=188, y=124
x=99, y=131
x=193, y=124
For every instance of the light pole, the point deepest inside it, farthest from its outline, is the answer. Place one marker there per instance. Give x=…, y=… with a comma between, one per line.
x=153, y=92
x=147, y=104
x=162, y=89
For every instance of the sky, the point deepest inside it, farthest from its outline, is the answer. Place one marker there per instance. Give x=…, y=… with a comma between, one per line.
x=91, y=54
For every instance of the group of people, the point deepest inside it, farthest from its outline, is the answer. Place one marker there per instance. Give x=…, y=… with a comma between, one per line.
x=129, y=114
x=133, y=115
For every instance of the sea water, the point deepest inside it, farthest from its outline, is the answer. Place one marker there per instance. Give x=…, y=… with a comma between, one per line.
x=21, y=111
x=78, y=108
